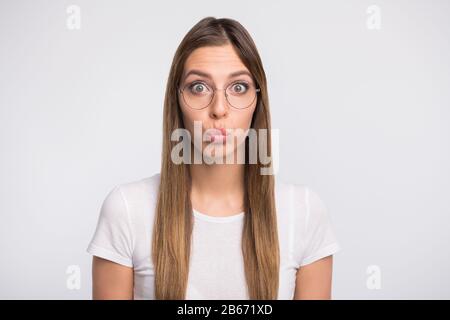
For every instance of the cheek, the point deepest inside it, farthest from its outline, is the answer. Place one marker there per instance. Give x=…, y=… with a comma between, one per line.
x=245, y=119
x=189, y=116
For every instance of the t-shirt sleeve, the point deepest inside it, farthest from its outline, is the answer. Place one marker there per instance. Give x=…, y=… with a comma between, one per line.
x=112, y=239
x=320, y=239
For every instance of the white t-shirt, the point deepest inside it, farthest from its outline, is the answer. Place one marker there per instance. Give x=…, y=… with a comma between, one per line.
x=124, y=233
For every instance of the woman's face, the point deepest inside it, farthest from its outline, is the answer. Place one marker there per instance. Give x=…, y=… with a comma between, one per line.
x=205, y=69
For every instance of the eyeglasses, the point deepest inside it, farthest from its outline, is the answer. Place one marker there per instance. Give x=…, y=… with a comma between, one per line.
x=198, y=95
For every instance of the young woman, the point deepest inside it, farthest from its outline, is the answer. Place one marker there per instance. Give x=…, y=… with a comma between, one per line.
x=211, y=230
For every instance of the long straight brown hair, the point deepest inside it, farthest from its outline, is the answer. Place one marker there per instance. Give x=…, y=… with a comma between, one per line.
x=173, y=224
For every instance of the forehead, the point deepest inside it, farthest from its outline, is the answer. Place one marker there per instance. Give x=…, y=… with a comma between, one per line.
x=216, y=60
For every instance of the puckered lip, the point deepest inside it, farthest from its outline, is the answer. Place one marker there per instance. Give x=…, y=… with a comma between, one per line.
x=216, y=134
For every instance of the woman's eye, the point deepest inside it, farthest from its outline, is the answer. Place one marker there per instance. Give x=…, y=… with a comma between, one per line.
x=239, y=87
x=198, y=88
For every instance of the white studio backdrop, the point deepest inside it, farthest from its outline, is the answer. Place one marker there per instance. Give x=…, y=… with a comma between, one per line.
x=359, y=92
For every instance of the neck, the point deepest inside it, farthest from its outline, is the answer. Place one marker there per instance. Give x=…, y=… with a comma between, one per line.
x=217, y=179
x=217, y=184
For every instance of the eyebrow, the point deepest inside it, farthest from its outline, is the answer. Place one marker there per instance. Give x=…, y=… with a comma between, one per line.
x=207, y=75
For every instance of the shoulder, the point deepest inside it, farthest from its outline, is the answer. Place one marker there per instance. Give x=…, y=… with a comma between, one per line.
x=305, y=224
x=299, y=206
x=123, y=226
x=290, y=197
x=136, y=189
x=138, y=199
x=299, y=197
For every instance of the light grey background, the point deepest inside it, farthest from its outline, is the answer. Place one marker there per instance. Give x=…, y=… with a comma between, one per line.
x=363, y=118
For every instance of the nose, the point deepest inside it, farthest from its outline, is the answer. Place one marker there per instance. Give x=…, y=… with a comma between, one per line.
x=219, y=105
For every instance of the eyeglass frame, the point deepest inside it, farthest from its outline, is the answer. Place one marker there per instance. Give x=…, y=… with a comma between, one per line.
x=214, y=89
